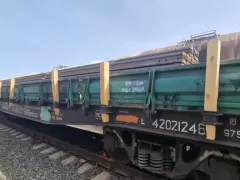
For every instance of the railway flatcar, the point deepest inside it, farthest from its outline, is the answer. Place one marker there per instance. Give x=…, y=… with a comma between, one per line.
x=171, y=111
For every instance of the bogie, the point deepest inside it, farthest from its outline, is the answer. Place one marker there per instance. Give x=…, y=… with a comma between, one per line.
x=166, y=156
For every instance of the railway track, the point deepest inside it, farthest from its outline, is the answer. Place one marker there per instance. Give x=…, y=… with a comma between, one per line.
x=87, y=155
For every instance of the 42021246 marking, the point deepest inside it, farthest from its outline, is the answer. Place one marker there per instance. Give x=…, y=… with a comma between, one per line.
x=180, y=126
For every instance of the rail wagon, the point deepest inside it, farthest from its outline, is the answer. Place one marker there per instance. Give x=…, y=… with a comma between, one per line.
x=170, y=111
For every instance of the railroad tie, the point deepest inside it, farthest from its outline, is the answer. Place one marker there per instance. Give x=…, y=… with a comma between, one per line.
x=42, y=145
x=13, y=131
x=69, y=160
x=85, y=167
x=103, y=176
x=26, y=138
x=48, y=150
x=15, y=134
x=21, y=136
x=4, y=127
x=82, y=160
x=57, y=155
x=7, y=129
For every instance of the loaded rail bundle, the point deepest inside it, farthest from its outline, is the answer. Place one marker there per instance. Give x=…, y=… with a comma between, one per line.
x=167, y=111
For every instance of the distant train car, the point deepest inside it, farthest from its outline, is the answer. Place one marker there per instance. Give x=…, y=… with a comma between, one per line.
x=170, y=111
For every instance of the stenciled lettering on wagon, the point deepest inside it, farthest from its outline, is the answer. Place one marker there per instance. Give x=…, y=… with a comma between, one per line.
x=233, y=121
x=26, y=111
x=16, y=109
x=32, y=107
x=57, y=114
x=232, y=133
x=30, y=113
x=59, y=117
x=136, y=86
x=180, y=126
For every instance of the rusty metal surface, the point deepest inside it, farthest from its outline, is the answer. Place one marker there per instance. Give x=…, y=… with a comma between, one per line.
x=6, y=82
x=40, y=76
x=176, y=57
x=230, y=47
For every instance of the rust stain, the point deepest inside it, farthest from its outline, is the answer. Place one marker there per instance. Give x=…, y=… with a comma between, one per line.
x=207, y=96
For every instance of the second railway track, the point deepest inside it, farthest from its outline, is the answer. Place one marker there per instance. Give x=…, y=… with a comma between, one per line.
x=89, y=154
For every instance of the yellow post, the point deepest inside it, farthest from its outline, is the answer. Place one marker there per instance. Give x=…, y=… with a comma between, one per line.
x=0, y=89
x=104, y=87
x=212, y=83
x=55, y=92
x=12, y=88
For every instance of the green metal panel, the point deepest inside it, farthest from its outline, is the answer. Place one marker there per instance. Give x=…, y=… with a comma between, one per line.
x=93, y=91
x=126, y=89
x=129, y=88
x=5, y=92
x=182, y=88
x=32, y=92
x=68, y=91
x=47, y=91
x=179, y=88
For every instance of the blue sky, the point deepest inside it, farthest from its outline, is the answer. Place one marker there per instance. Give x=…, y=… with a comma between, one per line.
x=36, y=35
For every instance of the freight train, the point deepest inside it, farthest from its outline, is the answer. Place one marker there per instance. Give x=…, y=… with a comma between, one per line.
x=172, y=111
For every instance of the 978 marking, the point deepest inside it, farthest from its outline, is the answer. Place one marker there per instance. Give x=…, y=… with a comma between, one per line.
x=180, y=126
x=231, y=133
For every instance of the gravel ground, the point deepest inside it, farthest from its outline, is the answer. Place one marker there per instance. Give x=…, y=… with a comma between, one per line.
x=19, y=161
